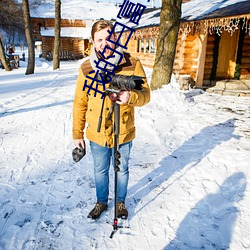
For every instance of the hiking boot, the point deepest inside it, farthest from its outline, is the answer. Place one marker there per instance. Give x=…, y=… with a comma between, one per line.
x=122, y=211
x=97, y=210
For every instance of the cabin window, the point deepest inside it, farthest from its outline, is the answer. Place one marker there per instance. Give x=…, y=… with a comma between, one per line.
x=146, y=45
x=152, y=45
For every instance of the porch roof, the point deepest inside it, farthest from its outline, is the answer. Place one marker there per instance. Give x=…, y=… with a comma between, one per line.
x=208, y=9
x=196, y=10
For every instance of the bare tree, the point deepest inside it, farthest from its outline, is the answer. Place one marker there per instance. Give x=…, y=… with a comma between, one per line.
x=3, y=57
x=169, y=27
x=11, y=24
x=11, y=16
x=28, y=33
x=56, y=59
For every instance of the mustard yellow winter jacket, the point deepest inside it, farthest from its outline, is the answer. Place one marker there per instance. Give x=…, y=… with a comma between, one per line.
x=87, y=107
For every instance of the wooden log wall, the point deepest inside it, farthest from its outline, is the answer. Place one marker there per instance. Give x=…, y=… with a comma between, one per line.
x=186, y=55
x=66, y=44
x=47, y=45
x=178, y=61
x=146, y=57
x=191, y=56
x=50, y=22
x=79, y=46
x=73, y=45
x=186, y=52
x=132, y=46
x=142, y=38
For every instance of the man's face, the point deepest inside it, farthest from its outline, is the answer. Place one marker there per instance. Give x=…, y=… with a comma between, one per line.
x=101, y=40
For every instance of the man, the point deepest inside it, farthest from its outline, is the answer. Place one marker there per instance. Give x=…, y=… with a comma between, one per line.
x=87, y=107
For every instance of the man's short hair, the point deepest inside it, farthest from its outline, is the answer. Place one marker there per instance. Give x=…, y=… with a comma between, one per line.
x=100, y=25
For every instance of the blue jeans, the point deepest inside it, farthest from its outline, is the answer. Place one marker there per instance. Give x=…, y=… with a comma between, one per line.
x=102, y=158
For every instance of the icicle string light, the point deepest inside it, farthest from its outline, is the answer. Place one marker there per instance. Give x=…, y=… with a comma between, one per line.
x=218, y=25
x=206, y=27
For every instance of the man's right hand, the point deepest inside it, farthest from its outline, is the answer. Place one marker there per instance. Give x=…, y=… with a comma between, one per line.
x=79, y=143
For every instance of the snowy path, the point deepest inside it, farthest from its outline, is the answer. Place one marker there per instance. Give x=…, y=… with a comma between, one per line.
x=189, y=171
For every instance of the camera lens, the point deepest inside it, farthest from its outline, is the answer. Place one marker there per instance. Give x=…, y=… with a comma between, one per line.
x=113, y=96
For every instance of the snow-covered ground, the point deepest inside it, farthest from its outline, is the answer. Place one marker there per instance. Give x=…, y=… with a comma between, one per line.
x=189, y=169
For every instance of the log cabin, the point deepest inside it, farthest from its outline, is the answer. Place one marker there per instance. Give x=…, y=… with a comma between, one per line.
x=74, y=37
x=213, y=41
x=76, y=21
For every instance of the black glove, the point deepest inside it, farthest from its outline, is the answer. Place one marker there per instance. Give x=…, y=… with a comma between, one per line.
x=78, y=153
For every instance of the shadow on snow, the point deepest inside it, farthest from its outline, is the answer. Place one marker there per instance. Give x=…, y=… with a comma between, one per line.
x=210, y=223
x=190, y=153
x=23, y=110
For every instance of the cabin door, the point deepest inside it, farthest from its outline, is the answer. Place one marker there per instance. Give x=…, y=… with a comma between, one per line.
x=227, y=55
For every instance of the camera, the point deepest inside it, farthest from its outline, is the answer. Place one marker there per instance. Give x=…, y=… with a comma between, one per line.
x=119, y=83
x=126, y=82
x=78, y=153
x=123, y=82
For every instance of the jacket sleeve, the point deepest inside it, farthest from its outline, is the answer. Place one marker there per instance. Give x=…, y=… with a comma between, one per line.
x=80, y=106
x=141, y=97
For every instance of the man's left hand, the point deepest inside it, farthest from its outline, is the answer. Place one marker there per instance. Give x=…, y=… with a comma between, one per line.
x=123, y=97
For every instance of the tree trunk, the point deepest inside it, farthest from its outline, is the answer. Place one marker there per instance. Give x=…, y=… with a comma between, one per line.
x=56, y=59
x=28, y=33
x=3, y=57
x=168, y=34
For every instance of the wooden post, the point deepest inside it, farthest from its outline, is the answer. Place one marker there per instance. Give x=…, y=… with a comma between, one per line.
x=144, y=45
x=201, y=60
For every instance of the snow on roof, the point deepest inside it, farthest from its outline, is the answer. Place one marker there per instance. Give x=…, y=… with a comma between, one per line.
x=91, y=10
x=77, y=9
x=150, y=19
x=197, y=10
x=79, y=32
